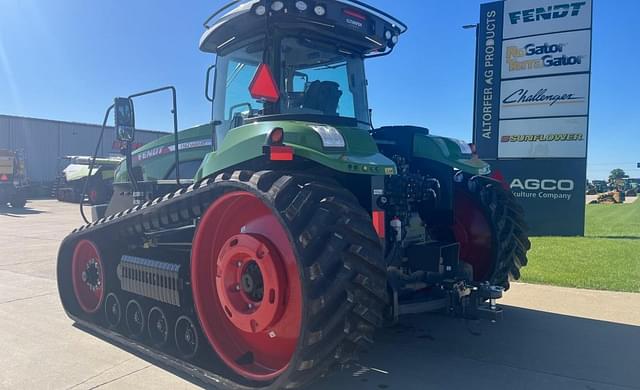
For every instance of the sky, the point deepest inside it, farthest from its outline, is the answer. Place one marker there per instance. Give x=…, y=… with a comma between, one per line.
x=68, y=59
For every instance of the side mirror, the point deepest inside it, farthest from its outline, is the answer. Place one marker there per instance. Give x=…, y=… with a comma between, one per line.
x=125, y=119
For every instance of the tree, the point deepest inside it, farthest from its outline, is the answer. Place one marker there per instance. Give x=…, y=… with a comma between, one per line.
x=615, y=175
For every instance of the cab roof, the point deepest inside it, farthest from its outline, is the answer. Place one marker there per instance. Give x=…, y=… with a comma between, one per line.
x=351, y=23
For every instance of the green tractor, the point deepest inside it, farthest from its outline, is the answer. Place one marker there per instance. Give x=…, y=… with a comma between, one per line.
x=77, y=180
x=13, y=180
x=303, y=227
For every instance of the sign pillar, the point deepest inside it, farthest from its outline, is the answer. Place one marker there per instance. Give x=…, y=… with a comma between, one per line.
x=532, y=105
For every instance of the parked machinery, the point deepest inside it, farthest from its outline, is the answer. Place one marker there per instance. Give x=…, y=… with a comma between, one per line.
x=304, y=227
x=13, y=179
x=75, y=181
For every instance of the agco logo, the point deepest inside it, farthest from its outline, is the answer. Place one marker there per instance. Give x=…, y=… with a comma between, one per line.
x=564, y=185
x=558, y=11
x=547, y=55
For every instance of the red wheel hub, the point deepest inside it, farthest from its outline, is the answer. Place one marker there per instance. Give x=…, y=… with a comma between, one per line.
x=87, y=275
x=250, y=282
x=473, y=231
x=246, y=286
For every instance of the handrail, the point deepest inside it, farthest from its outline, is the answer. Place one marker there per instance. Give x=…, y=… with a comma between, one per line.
x=174, y=111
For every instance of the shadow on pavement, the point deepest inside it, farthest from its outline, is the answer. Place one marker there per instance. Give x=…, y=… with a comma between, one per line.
x=18, y=213
x=527, y=350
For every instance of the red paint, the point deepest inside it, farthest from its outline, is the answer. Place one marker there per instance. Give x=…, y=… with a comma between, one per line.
x=472, y=230
x=88, y=300
x=237, y=254
x=379, y=223
x=263, y=86
x=355, y=14
x=242, y=216
x=500, y=177
x=4, y=178
x=281, y=153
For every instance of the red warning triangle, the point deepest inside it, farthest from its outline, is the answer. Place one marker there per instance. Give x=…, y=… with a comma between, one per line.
x=263, y=86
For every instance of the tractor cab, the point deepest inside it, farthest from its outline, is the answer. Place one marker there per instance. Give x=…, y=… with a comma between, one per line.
x=295, y=60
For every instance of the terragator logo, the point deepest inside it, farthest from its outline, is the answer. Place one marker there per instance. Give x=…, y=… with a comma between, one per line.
x=548, y=55
x=546, y=13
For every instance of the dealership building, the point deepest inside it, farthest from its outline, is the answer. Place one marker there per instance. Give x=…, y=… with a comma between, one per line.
x=44, y=142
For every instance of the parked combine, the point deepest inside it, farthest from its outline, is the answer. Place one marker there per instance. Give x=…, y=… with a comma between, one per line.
x=76, y=182
x=13, y=180
x=304, y=228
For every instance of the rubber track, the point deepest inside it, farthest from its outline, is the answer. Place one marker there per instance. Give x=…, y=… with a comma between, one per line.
x=506, y=218
x=340, y=255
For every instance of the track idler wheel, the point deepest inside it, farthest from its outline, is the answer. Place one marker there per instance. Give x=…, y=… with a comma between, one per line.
x=113, y=310
x=186, y=338
x=88, y=276
x=135, y=319
x=158, y=326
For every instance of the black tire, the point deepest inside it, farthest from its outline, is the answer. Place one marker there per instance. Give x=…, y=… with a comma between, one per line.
x=505, y=216
x=341, y=262
x=18, y=201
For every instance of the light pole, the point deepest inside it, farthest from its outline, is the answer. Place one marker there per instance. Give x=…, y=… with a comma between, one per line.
x=475, y=79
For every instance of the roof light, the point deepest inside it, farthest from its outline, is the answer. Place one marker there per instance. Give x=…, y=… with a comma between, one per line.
x=261, y=10
x=263, y=86
x=301, y=6
x=331, y=137
x=320, y=10
x=277, y=6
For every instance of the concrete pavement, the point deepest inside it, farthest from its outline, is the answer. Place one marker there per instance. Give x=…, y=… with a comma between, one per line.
x=550, y=338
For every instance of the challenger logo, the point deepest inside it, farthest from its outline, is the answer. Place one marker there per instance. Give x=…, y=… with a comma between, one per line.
x=533, y=56
x=525, y=97
x=557, y=137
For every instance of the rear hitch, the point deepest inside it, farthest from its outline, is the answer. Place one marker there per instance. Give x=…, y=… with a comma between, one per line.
x=475, y=301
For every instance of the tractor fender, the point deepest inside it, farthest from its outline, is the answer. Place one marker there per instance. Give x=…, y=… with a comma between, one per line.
x=451, y=152
x=360, y=154
x=416, y=142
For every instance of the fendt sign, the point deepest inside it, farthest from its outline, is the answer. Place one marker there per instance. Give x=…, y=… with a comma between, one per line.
x=532, y=105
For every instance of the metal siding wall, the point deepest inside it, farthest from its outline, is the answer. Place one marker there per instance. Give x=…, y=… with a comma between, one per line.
x=39, y=141
x=4, y=133
x=45, y=142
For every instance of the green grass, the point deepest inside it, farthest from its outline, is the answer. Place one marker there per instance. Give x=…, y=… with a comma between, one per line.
x=608, y=258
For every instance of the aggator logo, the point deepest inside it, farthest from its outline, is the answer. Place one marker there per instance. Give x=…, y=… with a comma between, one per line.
x=558, y=11
x=544, y=56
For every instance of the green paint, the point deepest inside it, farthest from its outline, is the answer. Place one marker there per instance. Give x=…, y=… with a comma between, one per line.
x=158, y=166
x=447, y=151
x=360, y=156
